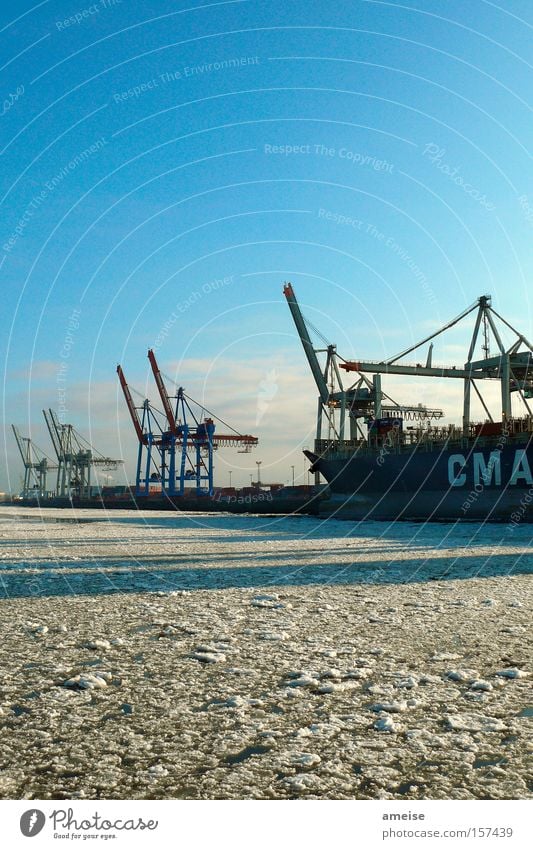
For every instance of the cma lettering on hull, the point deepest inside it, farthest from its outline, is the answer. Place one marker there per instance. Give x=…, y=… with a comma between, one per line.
x=477, y=470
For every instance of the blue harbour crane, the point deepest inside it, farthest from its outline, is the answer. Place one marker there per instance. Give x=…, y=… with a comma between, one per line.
x=176, y=446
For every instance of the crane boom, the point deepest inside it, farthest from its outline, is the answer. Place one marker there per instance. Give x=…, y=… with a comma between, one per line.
x=233, y=440
x=305, y=339
x=131, y=406
x=163, y=394
x=57, y=434
x=20, y=443
x=52, y=430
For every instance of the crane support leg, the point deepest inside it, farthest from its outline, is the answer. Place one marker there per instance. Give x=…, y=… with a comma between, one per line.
x=139, y=470
x=466, y=408
x=506, y=392
x=377, y=395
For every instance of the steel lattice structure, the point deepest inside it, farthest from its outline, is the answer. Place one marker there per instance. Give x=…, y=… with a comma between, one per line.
x=176, y=446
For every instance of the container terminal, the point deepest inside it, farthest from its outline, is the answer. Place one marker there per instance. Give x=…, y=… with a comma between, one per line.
x=380, y=459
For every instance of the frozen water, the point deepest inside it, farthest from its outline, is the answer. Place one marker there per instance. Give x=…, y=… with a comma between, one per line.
x=167, y=655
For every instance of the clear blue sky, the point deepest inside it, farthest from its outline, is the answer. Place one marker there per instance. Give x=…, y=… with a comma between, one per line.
x=152, y=149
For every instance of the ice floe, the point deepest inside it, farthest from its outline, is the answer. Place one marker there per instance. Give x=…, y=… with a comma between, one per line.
x=474, y=722
x=385, y=723
x=512, y=672
x=88, y=681
x=98, y=645
x=389, y=707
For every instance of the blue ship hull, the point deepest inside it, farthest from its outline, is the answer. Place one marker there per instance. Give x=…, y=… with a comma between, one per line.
x=466, y=481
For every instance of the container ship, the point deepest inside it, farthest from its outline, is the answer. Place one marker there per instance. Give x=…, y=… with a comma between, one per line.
x=384, y=460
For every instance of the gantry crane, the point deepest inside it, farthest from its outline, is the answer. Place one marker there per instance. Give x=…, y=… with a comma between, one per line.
x=364, y=399
x=36, y=467
x=176, y=446
x=511, y=366
x=76, y=457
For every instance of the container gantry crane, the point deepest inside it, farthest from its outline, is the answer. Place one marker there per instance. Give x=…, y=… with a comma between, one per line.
x=76, y=458
x=363, y=399
x=176, y=446
x=512, y=367
x=36, y=467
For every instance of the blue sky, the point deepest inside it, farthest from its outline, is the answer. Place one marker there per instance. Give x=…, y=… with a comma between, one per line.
x=166, y=166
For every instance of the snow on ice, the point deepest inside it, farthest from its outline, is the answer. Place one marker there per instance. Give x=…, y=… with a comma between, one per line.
x=165, y=655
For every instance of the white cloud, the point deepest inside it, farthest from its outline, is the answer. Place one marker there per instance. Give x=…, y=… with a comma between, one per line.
x=40, y=370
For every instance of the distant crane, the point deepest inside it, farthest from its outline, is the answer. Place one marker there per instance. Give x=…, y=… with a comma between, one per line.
x=76, y=457
x=36, y=467
x=175, y=446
